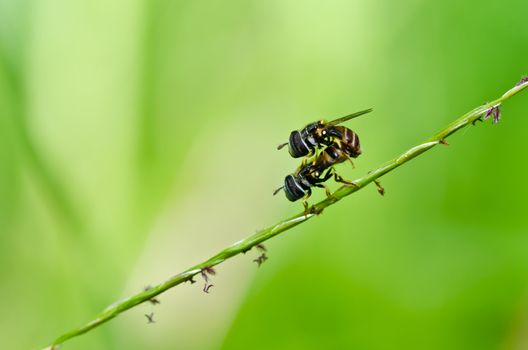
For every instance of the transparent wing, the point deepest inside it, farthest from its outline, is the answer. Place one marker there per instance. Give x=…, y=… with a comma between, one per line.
x=350, y=116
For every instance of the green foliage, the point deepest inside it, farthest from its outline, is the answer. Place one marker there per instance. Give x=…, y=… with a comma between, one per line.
x=138, y=137
x=206, y=269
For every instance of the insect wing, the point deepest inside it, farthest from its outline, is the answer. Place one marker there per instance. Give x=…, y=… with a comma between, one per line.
x=350, y=116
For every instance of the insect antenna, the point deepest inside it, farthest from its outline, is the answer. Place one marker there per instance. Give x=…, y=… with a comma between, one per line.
x=278, y=190
x=281, y=146
x=350, y=116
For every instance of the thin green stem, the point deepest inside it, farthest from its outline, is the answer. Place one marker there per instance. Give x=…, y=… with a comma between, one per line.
x=284, y=225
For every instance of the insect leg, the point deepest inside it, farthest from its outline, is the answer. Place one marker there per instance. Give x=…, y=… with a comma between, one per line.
x=318, y=182
x=326, y=176
x=381, y=190
x=305, y=202
x=343, y=181
x=310, y=157
x=327, y=190
x=350, y=160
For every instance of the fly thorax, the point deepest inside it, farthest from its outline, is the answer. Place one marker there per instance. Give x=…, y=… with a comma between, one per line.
x=311, y=141
x=305, y=183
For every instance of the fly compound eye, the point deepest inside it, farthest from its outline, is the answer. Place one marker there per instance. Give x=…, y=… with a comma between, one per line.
x=298, y=147
x=293, y=189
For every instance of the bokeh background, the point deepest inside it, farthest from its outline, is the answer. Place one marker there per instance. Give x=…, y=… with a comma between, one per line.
x=137, y=138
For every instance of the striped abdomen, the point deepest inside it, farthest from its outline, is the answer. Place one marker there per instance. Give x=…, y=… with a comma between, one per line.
x=348, y=140
x=331, y=156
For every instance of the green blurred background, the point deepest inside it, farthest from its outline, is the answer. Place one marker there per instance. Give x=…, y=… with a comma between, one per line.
x=138, y=138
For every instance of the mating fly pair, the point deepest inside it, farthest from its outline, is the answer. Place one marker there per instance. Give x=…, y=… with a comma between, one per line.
x=323, y=144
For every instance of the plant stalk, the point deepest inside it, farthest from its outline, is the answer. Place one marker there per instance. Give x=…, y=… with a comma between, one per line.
x=286, y=224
